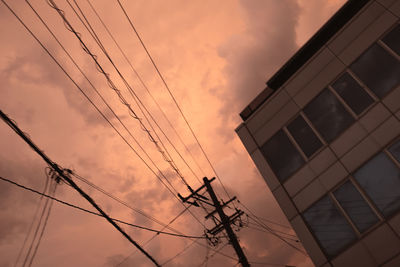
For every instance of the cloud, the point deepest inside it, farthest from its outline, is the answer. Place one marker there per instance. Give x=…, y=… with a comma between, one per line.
x=252, y=56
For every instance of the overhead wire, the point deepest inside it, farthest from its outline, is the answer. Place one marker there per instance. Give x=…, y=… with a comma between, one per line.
x=111, y=84
x=172, y=96
x=52, y=193
x=40, y=225
x=98, y=93
x=178, y=254
x=154, y=236
x=260, y=229
x=69, y=181
x=98, y=188
x=277, y=231
x=81, y=90
x=69, y=27
x=218, y=251
x=98, y=214
x=134, y=95
x=32, y=222
x=156, y=140
x=150, y=94
x=263, y=225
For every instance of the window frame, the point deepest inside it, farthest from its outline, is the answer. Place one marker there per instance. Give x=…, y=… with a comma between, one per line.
x=381, y=218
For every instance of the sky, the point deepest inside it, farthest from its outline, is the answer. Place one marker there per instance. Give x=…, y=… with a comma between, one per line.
x=215, y=57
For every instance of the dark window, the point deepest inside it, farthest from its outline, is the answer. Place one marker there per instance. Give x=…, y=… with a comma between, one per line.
x=304, y=136
x=378, y=69
x=352, y=93
x=328, y=115
x=380, y=178
x=282, y=156
x=395, y=150
x=355, y=206
x=329, y=226
x=392, y=39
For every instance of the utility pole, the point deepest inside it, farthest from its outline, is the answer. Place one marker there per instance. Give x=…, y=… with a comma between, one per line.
x=226, y=221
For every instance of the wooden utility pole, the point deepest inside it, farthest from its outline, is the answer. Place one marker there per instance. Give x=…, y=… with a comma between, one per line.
x=225, y=221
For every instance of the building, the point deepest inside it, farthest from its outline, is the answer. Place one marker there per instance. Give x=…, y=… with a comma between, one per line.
x=325, y=136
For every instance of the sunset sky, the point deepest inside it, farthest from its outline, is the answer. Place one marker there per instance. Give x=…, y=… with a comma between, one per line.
x=215, y=57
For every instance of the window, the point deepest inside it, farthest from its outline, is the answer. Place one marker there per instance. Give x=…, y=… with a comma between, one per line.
x=355, y=206
x=392, y=39
x=380, y=178
x=395, y=150
x=379, y=70
x=282, y=156
x=328, y=115
x=352, y=93
x=304, y=136
x=329, y=226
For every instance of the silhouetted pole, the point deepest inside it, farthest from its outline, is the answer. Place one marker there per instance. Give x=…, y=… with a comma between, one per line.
x=226, y=224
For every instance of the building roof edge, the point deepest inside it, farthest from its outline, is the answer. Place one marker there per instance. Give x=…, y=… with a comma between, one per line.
x=313, y=45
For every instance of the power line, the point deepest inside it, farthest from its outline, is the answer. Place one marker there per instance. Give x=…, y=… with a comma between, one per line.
x=178, y=254
x=81, y=90
x=263, y=225
x=154, y=236
x=278, y=236
x=277, y=231
x=172, y=96
x=86, y=96
x=69, y=27
x=132, y=92
x=98, y=214
x=32, y=222
x=165, y=154
x=151, y=96
x=96, y=187
x=268, y=232
x=55, y=167
x=218, y=251
x=53, y=192
x=98, y=93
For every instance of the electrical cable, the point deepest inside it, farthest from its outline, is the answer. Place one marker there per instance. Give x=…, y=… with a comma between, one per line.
x=151, y=95
x=268, y=232
x=272, y=222
x=263, y=225
x=279, y=237
x=42, y=215
x=110, y=83
x=52, y=193
x=98, y=93
x=32, y=222
x=172, y=96
x=178, y=254
x=277, y=231
x=126, y=204
x=97, y=214
x=80, y=89
x=68, y=180
x=165, y=154
x=167, y=157
x=154, y=236
x=212, y=255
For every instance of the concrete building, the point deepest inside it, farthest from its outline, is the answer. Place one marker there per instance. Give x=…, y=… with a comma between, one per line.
x=325, y=136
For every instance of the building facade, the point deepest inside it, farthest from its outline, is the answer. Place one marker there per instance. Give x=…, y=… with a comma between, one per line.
x=325, y=136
